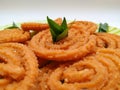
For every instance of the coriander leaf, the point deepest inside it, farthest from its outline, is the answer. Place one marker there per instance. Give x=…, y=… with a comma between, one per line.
x=13, y=26
x=55, y=27
x=53, y=35
x=103, y=27
x=62, y=35
x=64, y=24
x=58, y=32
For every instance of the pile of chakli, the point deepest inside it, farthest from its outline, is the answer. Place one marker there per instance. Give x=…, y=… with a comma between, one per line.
x=82, y=60
x=18, y=64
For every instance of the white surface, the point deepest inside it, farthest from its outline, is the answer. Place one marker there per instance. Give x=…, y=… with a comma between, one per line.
x=92, y=10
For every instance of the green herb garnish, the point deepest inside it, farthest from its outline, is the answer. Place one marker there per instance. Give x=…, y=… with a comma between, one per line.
x=103, y=27
x=13, y=26
x=58, y=32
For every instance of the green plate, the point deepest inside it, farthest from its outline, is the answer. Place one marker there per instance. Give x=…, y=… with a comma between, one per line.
x=111, y=29
x=18, y=24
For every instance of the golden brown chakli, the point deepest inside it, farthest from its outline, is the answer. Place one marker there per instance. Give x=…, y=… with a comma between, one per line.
x=78, y=44
x=83, y=60
x=18, y=67
x=14, y=35
x=107, y=40
x=100, y=71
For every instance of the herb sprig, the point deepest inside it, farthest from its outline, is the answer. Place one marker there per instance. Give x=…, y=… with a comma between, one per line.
x=58, y=32
x=103, y=27
x=13, y=26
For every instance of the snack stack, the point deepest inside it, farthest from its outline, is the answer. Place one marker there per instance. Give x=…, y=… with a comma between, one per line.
x=59, y=56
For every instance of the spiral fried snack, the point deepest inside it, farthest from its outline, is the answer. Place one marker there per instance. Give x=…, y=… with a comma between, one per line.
x=37, y=26
x=100, y=71
x=88, y=26
x=79, y=43
x=45, y=72
x=18, y=67
x=34, y=26
x=13, y=35
x=107, y=40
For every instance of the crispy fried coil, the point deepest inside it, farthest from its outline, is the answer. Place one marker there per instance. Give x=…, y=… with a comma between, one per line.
x=107, y=40
x=88, y=26
x=79, y=43
x=100, y=71
x=37, y=26
x=45, y=72
x=13, y=35
x=34, y=26
x=18, y=67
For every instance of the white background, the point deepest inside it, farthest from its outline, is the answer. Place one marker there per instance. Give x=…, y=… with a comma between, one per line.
x=91, y=10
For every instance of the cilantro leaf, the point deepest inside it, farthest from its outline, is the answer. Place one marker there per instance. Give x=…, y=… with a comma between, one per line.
x=58, y=32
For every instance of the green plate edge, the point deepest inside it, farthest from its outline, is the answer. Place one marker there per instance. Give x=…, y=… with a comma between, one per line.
x=111, y=29
x=19, y=23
